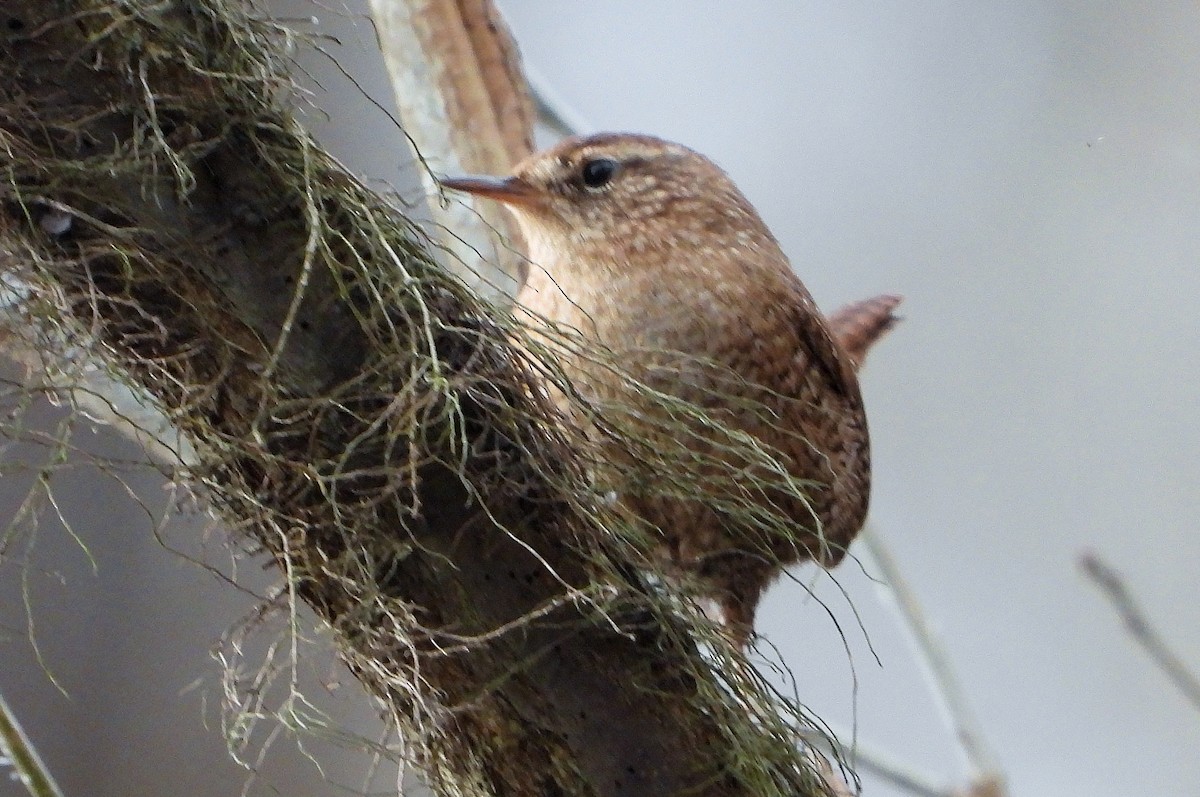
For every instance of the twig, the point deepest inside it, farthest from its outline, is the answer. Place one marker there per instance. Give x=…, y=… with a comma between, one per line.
x=21, y=755
x=865, y=758
x=1138, y=625
x=982, y=761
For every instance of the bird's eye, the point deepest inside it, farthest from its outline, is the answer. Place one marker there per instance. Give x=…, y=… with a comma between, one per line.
x=599, y=172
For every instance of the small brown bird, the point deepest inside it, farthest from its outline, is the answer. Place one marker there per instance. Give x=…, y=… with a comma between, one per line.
x=649, y=252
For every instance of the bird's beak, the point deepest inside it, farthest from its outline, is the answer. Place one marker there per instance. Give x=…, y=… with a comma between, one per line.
x=509, y=190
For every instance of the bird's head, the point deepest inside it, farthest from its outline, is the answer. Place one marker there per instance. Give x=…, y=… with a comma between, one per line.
x=621, y=193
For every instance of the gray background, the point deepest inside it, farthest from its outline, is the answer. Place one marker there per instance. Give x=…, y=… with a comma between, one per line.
x=1028, y=176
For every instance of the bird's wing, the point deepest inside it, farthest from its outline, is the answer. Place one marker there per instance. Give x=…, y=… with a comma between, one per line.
x=818, y=343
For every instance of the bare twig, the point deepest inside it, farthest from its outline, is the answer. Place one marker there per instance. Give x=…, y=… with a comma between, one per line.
x=1114, y=588
x=21, y=755
x=980, y=757
x=865, y=758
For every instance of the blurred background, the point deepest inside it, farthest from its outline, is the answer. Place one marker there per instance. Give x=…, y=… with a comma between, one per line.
x=1026, y=174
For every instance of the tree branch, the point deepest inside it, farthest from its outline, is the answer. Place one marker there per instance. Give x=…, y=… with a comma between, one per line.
x=457, y=79
x=356, y=412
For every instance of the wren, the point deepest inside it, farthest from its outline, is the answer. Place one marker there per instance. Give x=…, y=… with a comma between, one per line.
x=649, y=254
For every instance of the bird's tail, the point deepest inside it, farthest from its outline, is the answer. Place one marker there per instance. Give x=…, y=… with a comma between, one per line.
x=857, y=326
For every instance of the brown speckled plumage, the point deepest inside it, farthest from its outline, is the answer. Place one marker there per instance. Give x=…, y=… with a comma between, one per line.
x=857, y=326
x=668, y=267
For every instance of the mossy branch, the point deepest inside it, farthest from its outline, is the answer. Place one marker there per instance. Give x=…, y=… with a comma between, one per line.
x=355, y=411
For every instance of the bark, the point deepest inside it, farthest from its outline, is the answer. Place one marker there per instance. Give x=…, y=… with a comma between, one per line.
x=354, y=410
x=459, y=89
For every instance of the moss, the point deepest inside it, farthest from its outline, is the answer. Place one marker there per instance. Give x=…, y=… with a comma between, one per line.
x=360, y=416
